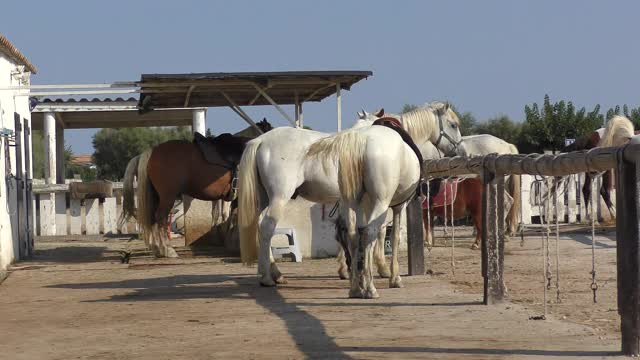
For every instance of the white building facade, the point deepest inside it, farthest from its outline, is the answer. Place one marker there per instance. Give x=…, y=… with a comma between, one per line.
x=15, y=155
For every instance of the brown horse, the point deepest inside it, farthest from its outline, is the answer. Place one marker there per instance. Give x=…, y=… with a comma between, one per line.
x=176, y=168
x=620, y=130
x=467, y=200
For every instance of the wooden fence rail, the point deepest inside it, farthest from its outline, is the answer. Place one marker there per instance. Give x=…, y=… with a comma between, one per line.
x=493, y=168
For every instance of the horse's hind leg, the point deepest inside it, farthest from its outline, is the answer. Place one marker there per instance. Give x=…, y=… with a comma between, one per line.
x=394, y=280
x=162, y=247
x=606, y=195
x=267, y=268
x=342, y=237
x=378, y=254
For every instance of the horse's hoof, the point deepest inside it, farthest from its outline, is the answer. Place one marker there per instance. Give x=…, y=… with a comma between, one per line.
x=384, y=273
x=281, y=280
x=343, y=274
x=267, y=282
x=356, y=294
x=475, y=247
x=370, y=294
x=395, y=283
x=171, y=253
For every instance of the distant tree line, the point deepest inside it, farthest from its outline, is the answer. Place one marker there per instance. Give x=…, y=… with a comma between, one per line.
x=545, y=127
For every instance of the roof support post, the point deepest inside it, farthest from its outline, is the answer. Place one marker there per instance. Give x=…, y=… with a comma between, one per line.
x=48, y=200
x=59, y=154
x=339, y=106
x=198, y=121
x=298, y=111
x=270, y=100
x=49, y=139
x=240, y=112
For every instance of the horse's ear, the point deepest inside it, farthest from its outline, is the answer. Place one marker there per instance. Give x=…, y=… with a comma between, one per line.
x=446, y=106
x=380, y=113
x=360, y=115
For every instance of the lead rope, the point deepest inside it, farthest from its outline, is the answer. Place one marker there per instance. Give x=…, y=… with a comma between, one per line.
x=522, y=212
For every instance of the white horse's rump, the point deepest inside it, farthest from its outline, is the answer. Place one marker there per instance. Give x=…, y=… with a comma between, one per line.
x=278, y=167
x=377, y=169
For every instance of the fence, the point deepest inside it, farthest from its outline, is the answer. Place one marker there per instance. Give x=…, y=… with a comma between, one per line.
x=57, y=213
x=493, y=168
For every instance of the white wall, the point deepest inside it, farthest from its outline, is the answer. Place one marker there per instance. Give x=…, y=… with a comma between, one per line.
x=8, y=201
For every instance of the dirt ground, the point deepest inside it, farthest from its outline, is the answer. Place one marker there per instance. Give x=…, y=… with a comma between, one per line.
x=76, y=300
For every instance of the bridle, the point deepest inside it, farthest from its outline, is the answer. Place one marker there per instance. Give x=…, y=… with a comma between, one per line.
x=443, y=134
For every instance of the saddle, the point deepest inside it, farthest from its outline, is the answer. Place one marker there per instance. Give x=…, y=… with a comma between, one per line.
x=394, y=124
x=450, y=192
x=207, y=148
x=98, y=189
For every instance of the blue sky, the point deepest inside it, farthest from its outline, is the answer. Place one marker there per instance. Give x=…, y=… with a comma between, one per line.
x=487, y=57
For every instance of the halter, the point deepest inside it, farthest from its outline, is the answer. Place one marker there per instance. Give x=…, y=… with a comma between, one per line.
x=443, y=134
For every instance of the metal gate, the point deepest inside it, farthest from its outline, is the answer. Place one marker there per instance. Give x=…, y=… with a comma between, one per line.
x=28, y=181
x=20, y=187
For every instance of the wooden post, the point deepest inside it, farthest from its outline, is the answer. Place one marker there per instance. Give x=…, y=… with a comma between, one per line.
x=628, y=252
x=493, y=233
x=339, y=106
x=415, y=239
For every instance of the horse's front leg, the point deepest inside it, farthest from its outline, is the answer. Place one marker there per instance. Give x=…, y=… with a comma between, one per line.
x=395, y=281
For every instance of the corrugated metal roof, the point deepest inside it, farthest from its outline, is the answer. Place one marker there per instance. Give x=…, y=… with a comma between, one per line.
x=7, y=47
x=206, y=89
x=85, y=100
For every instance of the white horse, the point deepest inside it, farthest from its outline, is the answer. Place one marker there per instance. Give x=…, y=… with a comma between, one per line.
x=276, y=167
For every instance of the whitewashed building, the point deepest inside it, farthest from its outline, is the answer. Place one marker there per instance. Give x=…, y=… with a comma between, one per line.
x=15, y=163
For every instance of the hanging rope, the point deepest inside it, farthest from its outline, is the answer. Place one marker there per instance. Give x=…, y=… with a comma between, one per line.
x=548, y=234
x=429, y=244
x=446, y=182
x=538, y=195
x=521, y=212
x=453, y=233
x=594, y=282
x=555, y=200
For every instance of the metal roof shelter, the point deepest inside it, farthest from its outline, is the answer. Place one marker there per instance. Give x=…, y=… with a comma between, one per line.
x=106, y=113
x=174, y=100
x=160, y=91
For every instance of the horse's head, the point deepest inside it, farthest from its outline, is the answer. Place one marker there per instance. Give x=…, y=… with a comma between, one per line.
x=264, y=125
x=448, y=136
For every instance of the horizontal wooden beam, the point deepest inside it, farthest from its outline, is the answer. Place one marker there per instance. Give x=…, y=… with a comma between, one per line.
x=597, y=159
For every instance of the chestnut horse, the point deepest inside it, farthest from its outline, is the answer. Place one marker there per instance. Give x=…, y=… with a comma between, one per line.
x=467, y=201
x=175, y=168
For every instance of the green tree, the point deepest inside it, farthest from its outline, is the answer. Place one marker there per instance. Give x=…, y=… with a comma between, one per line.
x=633, y=114
x=548, y=127
x=502, y=127
x=38, y=154
x=115, y=147
x=408, y=107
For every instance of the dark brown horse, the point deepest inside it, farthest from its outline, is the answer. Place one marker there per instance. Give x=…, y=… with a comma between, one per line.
x=203, y=169
x=586, y=143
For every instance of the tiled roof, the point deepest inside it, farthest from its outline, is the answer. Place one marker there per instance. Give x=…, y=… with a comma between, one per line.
x=7, y=47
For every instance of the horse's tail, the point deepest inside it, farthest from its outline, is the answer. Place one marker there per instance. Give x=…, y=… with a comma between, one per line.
x=618, y=131
x=514, y=190
x=348, y=149
x=147, y=199
x=249, y=202
x=514, y=213
x=128, y=196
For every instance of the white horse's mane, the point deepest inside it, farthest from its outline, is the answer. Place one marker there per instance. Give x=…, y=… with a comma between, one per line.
x=618, y=131
x=423, y=121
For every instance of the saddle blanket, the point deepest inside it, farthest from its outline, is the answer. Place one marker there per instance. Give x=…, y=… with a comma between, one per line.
x=450, y=191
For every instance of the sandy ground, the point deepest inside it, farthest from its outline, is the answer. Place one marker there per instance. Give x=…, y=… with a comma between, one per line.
x=76, y=300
